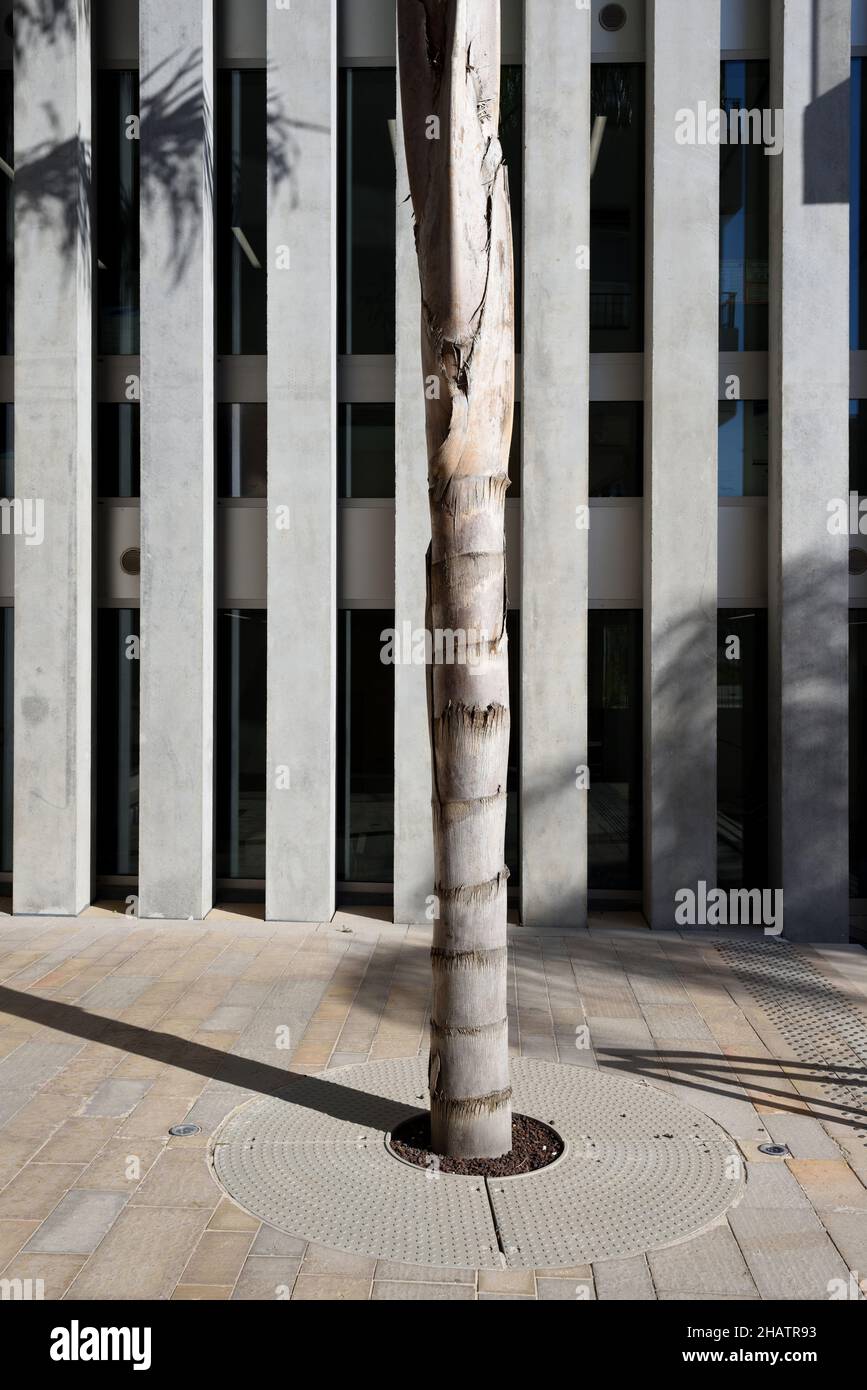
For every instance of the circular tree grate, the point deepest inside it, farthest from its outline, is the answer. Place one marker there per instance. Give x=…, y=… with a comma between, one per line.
x=640, y=1170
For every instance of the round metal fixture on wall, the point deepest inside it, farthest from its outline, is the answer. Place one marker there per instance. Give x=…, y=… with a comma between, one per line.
x=857, y=561
x=612, y=17
x=130, y=560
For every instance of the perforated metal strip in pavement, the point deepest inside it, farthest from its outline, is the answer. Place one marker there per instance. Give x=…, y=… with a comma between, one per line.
x=825, y=1032
x=641, y=1169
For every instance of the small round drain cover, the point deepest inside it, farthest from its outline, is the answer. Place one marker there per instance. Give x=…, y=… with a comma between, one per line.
x=774, y=1150
x=184, y=1131
x=641, y=1169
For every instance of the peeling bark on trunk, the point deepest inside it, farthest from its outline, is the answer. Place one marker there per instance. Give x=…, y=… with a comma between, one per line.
x=449, y=54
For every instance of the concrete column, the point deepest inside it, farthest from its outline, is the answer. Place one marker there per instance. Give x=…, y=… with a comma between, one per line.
x=809, y=393
x=177, y=459
x=53, y=462
x=302, y=495
x=413, y=830
x=680, y=477
x=555, y=417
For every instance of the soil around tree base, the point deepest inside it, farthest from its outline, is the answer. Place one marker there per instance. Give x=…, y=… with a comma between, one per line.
x=534, y=1146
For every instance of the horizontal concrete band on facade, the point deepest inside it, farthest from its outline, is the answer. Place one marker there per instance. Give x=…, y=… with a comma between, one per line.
x=675, y=543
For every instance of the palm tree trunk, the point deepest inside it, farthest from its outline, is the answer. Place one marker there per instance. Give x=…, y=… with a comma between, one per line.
x=449, y=55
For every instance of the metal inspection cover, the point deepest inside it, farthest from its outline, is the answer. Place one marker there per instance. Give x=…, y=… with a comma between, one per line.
x=640, y=1170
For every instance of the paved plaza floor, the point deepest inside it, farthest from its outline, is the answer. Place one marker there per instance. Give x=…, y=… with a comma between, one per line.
x=114, y=1030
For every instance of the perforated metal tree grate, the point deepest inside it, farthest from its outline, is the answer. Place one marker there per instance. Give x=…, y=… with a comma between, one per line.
x=641, y=1169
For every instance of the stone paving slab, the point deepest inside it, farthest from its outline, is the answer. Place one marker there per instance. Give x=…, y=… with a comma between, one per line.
x=113, y=1029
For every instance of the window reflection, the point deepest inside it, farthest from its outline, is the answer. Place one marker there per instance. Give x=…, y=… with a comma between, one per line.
x=614, y=829
x=617, y=208
x=367, y=113
x=239, y=743
x=7, y=214
x=858, y=447
x=858, y=752
x=858, y=209
x=743, y=449
x=241, y=180
x=365, y=749
x=117, y=741
x=7, y=652
x=118, y=449
x=616, y=449
x=242, y=449
x=117, y=219
x=365, y=450
x=742, y=748
x=744, y=228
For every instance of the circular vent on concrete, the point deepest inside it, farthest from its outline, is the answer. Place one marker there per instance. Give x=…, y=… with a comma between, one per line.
x=130, y=560
x=612, y=17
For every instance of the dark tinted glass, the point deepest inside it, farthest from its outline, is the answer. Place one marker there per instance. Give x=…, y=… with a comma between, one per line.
x=743, y=217
x=117, y=741
x=617, y=208
x=857, y=752
x=743, y=449
x=7, y=215
x=242, y=450
x=614, y=831
x=365, y=749
x=7, y=450
x=239, y=743
x=512, y=141
x=241, y=211
x=118, y=449
x=858, y=447
x=7, y=647
x=858, y=209
x=117, y=217
x=366, y=201
x=616, y=449
x=742, y=749
x=365, y=450
x=513, y=776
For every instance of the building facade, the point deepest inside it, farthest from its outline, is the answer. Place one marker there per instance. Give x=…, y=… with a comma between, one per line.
x=215, y=467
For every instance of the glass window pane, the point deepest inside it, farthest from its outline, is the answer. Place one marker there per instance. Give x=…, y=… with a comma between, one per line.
x=512, y=141
x=7, y=449
x=365, y=753
x=7, y=213
x=513, y=776
x=614, y=831
x=743, y=449
x=118, y=449
x=241, y=181
x=858, y=210
x=7, y=650
x=858, y=752
x=117, y=216
x=616, y=449
x=742, y=749
x=743, y=216
x=365, y=450
x=242, y=450
x=617, y=208
x=239, y=743
x=858, y=447
x=366, y=197
x=117, y=741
